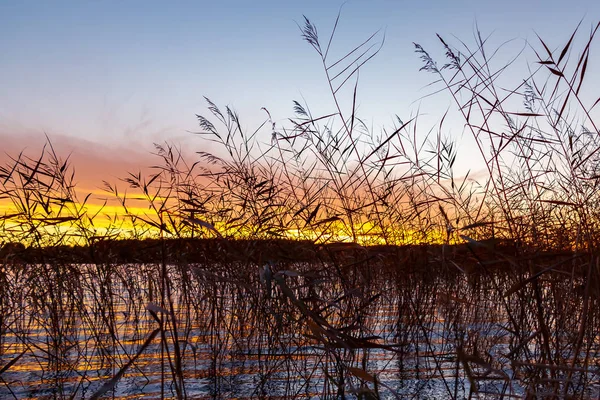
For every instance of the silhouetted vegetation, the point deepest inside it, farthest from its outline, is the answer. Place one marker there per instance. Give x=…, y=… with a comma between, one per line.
x=331, y=261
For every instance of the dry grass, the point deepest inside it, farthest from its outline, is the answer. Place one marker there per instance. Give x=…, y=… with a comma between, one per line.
x=217, y=301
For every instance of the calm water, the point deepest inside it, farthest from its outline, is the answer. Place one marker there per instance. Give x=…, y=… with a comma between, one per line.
x=309, y=331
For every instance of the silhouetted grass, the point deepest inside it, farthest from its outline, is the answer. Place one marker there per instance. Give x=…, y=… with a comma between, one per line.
x=328, y=262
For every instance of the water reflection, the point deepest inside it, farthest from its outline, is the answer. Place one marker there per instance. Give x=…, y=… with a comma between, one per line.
x=306, y=330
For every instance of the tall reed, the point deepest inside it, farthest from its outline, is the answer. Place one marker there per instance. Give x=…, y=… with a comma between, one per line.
x=403, y=277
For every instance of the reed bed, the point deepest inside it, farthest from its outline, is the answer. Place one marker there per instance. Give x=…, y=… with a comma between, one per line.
x=391, y=323
x=329, y=262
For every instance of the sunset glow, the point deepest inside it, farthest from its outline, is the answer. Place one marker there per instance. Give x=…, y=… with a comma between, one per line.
x=309, y=200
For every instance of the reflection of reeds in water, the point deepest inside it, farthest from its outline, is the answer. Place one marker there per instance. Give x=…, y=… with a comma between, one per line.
x=388, y=322
x=512, y=312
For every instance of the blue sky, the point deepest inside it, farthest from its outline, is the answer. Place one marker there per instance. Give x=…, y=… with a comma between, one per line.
x=129, y=73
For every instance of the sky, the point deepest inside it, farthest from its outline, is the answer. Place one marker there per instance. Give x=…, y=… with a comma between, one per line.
x=112, y=77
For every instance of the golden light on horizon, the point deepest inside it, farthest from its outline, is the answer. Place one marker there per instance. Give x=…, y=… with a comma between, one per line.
x=98, y=219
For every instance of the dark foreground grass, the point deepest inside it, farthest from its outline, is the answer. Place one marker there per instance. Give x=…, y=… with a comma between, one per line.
x=412, y=321
x=274, y=269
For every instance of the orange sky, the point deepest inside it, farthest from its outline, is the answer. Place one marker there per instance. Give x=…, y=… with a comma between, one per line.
x=93, y=163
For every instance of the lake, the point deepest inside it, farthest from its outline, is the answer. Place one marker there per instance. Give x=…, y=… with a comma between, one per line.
x=410, y=324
